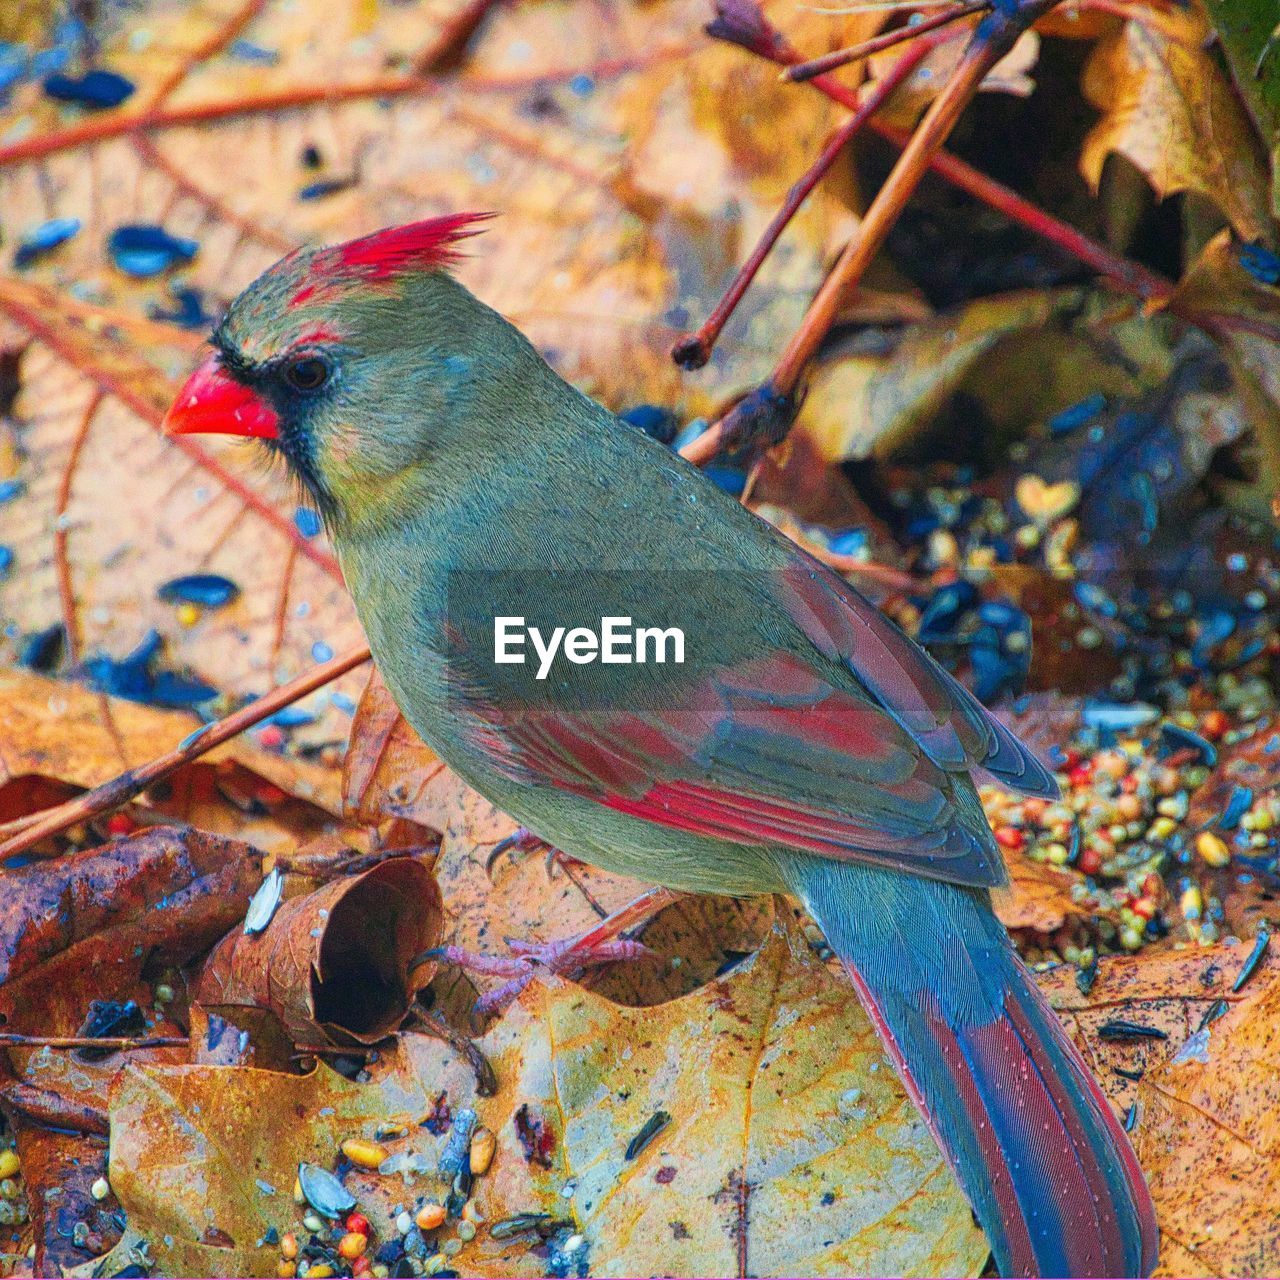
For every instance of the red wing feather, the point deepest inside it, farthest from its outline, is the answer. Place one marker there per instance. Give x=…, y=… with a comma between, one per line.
x=765, y=753
x=772, y=752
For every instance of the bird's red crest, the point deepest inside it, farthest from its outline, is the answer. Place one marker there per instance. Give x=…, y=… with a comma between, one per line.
x=386, y=254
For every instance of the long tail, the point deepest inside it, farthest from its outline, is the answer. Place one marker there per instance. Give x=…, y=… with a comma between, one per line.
x=1033, y=1141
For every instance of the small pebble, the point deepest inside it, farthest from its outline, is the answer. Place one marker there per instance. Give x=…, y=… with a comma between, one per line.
x=352, y=1245
x=483, y=1145
x=101, y=1189
x=10, y=1165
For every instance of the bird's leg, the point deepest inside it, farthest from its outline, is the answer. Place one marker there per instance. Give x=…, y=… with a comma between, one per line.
x=599, y=945
x=522, y=840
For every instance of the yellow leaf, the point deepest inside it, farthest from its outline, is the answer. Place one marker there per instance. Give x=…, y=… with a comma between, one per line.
x=1169, y=109
x=1207, y=1099
x=790, y=1147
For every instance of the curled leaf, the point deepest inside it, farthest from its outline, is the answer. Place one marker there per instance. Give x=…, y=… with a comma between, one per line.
x=337, y=962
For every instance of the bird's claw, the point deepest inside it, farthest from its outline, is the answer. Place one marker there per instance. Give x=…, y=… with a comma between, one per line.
x=564, y=958
x=522, y=840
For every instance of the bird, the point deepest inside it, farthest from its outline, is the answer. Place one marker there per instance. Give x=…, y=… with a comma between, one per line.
x=805, y=744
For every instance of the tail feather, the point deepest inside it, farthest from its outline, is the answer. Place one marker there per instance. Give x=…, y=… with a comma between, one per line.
x=1033, y=1141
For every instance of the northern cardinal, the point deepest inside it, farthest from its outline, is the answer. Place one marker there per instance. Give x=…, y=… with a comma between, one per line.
x=805, y=745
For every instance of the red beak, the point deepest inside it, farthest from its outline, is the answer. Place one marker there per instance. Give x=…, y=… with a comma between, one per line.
x=213, y=402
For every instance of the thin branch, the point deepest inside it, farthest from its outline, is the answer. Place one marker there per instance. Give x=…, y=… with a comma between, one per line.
x=215, y=44
x=1131, y=276
x=115, y=124
x=991, y=41
x=802, y=71
x=113, y=1043
x=453, y=38
x=121, y=789
x=694, y=349
x=765, y=416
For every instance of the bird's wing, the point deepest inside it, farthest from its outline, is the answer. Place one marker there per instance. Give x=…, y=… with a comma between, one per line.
x=772, y=751
x=949, y=724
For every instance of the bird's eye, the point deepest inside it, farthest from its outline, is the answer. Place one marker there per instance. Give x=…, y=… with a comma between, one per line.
x=307, y=373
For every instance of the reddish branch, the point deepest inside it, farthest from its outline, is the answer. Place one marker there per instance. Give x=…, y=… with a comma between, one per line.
x=767, y=413
x=115, y=124
x=694, y=349
x=886, y=40
x=1132, y=277
x=992, y=40
x=121, y=789
x=454, y=37
x=203, y=52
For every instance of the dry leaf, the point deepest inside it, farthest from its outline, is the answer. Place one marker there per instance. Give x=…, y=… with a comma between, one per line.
x=1243, y=314
x=83, y=926
x=1169, y=109
x=388, y=771
x=1037, y=897
x=1249, y=31
x=791, y=1148
x=93, y=388
x=1012, y=74
x=58, y=738
x=864, y=403
x=1205, y=1122
x=338, y=962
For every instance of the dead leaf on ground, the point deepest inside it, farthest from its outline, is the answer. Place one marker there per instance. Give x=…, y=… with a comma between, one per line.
x=93, y=387
x=58, y=738
x=791, y=1147
x=338, y=962
x=83, y=926
x=1037, y=897
x=1021, y=356
x=1243, y=314
x=1205, y=1129
x=1171, y=111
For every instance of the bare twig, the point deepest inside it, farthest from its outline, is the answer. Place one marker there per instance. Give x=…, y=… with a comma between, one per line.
x=1130, y=276
x=694, y=349
x=801, y=71
x=122, y=788
x=12, y=1039
x=766, y=414
x=993, y=38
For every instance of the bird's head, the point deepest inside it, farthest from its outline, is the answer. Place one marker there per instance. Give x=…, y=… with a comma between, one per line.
x=353, y=361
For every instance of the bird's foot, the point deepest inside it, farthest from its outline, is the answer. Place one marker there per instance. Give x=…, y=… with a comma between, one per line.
x=522, y=840
x=600, y=945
